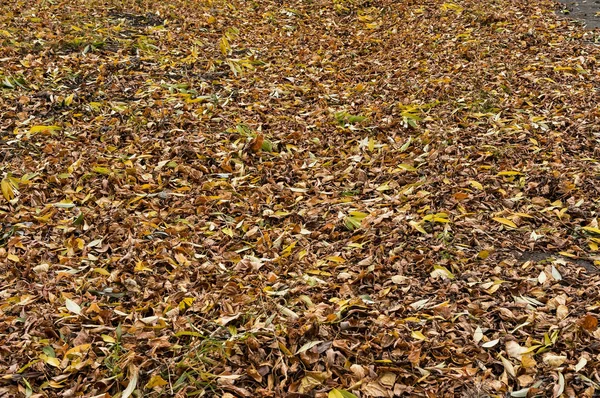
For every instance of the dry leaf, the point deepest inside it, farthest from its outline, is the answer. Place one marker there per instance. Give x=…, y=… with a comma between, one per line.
x=257, y=143
x=589, y=323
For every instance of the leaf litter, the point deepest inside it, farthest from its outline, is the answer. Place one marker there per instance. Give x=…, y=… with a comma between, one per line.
x=303, y=198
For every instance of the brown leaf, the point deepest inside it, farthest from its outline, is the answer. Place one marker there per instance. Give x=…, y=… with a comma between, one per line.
x=589, y=323
x=256, y=143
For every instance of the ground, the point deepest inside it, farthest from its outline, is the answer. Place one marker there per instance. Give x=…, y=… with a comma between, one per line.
x=298, y=198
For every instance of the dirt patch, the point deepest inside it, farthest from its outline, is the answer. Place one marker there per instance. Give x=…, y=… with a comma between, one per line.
x=587, y=11
x=538, y=256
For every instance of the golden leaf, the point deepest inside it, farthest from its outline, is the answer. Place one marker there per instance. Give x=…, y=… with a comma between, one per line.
x=505, y=221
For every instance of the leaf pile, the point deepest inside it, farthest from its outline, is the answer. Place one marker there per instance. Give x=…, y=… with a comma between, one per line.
x=298, y=198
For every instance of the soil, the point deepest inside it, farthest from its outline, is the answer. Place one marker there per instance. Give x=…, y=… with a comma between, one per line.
x=538, y=256
x=588, y=11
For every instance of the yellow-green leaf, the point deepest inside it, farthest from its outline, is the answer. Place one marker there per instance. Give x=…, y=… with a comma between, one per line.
x=50, y=360
x=156, y=381
x=406, y=167
x=69, y=100
x=417, y=226
x=441, y=272
x=108, y=339
x=101, y=170
x=335, y=393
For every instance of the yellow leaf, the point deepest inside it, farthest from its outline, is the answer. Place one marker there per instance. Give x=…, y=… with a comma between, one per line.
x=288, y=249
x=50, y=360
x=336, y=259
x=40, y=129
x=101, y=271
x=451, y=7
x=140, y=267
x=13, y=258
x=441, y=272
x=567, y=254
x=335, y=393
x=476, y=185
x=186, y=303
x=156, y=381
x=417, y=226
x=592, y=230
x=7, y=189
x=224, y=45
x=359, y=215
x=68, y=100
x=101, y=170
x=78, y=350
x=406, y=167
x=418, y=335
x=505, y=221
x=108, y=339
x=384, y=187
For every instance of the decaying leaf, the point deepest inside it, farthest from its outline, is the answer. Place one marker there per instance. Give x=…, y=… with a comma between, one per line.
x=589, y=322
x=298, y=198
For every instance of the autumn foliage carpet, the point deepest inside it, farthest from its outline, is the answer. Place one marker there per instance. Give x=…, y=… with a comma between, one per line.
x=341, y=198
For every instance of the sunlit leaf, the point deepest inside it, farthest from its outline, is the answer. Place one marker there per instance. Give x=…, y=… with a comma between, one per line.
x=505, y=221
x=73, y=306
x=335, y=393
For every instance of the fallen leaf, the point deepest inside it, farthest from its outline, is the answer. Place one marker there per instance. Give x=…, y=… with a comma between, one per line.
x=505, y=221
x=73, y=306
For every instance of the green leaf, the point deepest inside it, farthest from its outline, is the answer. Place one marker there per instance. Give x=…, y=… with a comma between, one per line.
x=406, y=145
x=79, y=220
x=353, y=221
x=48, y=350
x=7, y=83
x=267, y=146
x=406, y=167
